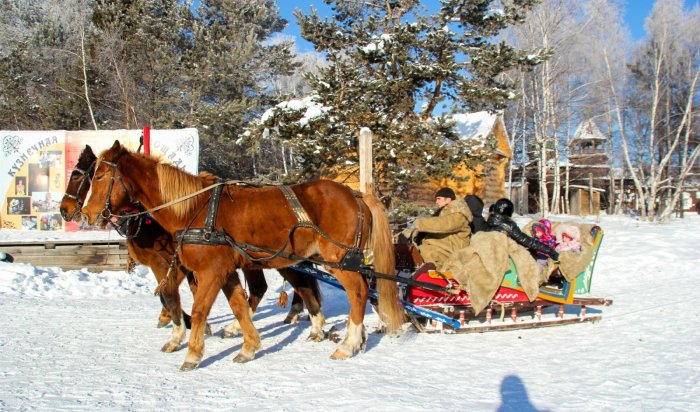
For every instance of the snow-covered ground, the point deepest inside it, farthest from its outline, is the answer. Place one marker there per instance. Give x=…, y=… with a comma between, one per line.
x=76, y=340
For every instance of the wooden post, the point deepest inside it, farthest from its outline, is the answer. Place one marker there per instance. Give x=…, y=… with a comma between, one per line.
x=590, y=194
x=365, y=152
x=566, y=190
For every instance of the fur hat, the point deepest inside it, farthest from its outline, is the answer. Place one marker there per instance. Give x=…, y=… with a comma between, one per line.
x=446, y=192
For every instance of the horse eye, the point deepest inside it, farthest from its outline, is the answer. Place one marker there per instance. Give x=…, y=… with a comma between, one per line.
x=99, y=177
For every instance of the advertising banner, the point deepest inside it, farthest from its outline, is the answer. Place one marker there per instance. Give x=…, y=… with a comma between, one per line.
x=36, y=166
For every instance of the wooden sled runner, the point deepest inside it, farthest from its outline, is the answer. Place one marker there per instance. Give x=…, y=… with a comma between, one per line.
x=559, y=302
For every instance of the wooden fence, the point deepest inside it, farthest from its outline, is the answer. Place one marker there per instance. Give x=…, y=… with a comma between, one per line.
x=95, y=255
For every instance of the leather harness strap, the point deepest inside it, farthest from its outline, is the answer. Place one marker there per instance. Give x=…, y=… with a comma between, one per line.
x=297, y=208
x=209, y=235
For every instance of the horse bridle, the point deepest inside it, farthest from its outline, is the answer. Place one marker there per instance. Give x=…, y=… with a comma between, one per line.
x=106, y=212
x=85, y=179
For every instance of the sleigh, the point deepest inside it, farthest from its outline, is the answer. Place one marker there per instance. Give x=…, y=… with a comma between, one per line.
x=432, y=306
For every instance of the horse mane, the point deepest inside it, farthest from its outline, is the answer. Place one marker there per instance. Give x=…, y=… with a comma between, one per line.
x=175, y=183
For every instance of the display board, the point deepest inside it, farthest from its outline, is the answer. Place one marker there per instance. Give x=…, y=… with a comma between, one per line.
x=36, y=166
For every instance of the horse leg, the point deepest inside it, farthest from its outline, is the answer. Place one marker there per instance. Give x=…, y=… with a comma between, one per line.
x=164, y=317
x=210, y=283
x=306, y=291
x=159, y=267
x=239, y=305
x=192, y=283
x=257, y=286
x=296, y=308
x=294, y=279
x=170, y=297
x=356, y=335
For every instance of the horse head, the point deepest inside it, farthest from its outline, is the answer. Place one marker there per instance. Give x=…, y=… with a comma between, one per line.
x=78, y=185
x=109, y=194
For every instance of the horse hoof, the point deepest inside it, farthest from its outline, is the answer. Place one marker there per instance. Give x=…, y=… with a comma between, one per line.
x=188, y=366
x=315, y=337
x=339, y=355
x=241, y=358
x=169, y=348
x=226, y=334
x=291, y=319
x=231, y=330
x=207, y=330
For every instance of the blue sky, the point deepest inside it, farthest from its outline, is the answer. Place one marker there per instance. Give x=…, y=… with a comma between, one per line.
x=635, y=13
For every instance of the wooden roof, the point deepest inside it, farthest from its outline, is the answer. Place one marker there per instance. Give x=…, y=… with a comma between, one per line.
x=480, y=126
x=588, y=130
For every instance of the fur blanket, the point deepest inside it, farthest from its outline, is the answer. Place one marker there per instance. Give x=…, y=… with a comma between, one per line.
x=479, y=267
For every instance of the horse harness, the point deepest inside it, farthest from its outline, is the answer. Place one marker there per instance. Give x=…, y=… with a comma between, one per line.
x=209, y=235
x=354, y=259
x=107, y=212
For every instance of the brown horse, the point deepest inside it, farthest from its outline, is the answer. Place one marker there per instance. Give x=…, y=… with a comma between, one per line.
x=262, y=228
x=149, y=244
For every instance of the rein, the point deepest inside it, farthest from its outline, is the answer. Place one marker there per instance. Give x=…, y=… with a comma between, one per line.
x=106, y=213
x=354, y=259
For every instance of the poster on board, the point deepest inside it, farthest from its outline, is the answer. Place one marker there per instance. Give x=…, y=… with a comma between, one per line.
x=36, y=166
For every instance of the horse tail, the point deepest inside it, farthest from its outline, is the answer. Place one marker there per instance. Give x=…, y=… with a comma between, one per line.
x=382, y=246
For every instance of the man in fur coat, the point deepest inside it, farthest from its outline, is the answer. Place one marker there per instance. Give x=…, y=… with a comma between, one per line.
x=445, y=232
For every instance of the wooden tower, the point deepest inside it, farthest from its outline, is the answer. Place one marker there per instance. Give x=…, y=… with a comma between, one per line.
x=589, y=172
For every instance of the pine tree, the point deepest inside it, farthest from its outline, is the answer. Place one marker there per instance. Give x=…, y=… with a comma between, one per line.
x=227, y=66
x=41, y=76
x=138, y=51
x=169, y=66
x=393, y=67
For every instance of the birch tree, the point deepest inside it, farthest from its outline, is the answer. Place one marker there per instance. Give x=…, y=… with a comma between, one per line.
x=606, y=59
x=665, y=76
x=550, y=91
x=670, y=63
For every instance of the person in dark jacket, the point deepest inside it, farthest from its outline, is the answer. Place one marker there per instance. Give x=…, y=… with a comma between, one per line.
x=476, y=205
x=500, y=221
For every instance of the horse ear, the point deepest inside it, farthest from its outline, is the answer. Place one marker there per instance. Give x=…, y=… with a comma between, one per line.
x=88, y=149
x=116, y=145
